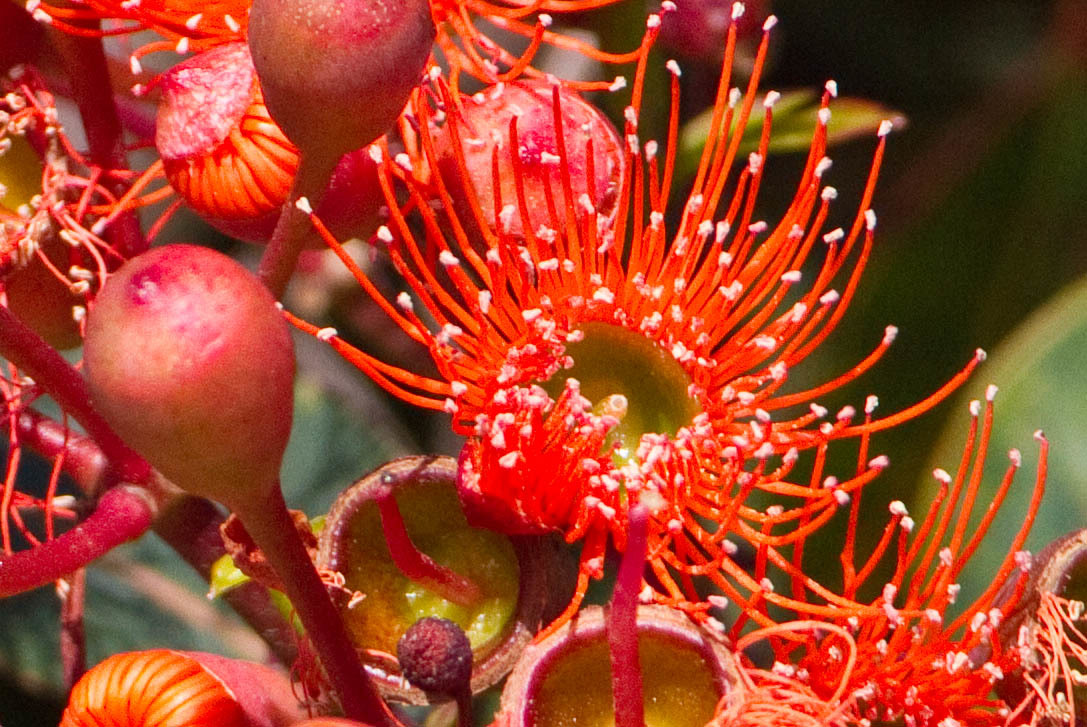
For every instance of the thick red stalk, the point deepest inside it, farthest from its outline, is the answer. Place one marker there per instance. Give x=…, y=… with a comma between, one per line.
x=188, y=524
x=418, y=566
x=37, y=359
x=122, y=514
x=267, y=521
x=622, y=624
x=84, y=461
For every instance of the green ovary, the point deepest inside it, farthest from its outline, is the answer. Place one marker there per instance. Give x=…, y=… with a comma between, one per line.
x=680, y=688
x=437, y=526
x=612, y=362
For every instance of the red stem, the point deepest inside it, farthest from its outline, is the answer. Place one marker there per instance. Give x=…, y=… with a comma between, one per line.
x=92, y=92
x=190, y=525
x=267, y=521
x=464, y=707
x=418, y=566
x=73, y=642
x=622, y=625
x=122, y=514
x=84, y=461
x=293, y=227
x=36, y=358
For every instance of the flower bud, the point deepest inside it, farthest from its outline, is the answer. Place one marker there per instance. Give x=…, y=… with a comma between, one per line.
x=483, y=123
x=190, y=361
x=337, y=73
x=163, y=688
x=231, y=163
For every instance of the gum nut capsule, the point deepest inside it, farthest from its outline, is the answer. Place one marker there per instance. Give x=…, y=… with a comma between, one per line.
x=337, y=73
x=189, y=359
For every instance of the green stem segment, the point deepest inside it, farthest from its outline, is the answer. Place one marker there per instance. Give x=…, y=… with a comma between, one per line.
x=270, y=525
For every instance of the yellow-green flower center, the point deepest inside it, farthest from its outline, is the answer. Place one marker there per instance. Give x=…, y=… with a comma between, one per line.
x=631, y=378
x=680, y=687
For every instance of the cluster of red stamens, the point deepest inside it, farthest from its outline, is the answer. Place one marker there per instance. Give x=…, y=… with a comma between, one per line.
x=718, y=295
x=618, y=364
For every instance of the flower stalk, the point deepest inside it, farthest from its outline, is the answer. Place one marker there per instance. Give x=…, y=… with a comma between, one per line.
x=417, y=565
x=33, y=356
x=622, y=625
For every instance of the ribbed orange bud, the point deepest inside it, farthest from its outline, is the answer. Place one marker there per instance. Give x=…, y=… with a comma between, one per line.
x=163, y=688
x=221, y=151
x=157, y=688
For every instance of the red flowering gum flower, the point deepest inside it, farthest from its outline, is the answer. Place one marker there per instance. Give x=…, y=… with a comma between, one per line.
x=184, y=25
x=909, y=656
x=594, y=362
x=468, y=49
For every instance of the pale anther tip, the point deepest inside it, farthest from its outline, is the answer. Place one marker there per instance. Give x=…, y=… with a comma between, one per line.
x=302, y=203
x=885, y=127
x=770, y=22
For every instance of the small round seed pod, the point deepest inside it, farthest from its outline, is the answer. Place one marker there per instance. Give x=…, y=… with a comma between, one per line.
x=435, y=655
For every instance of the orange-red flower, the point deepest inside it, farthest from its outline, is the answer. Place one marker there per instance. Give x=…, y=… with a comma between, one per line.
x=909, y=655
x=463, y=27
x=681, y=334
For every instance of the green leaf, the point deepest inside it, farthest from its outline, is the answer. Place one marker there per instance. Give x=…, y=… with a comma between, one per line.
x=1039, y=369
x=343, y=428
x=794, y=122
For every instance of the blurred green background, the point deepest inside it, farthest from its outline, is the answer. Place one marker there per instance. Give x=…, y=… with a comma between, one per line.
x=982, y=241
